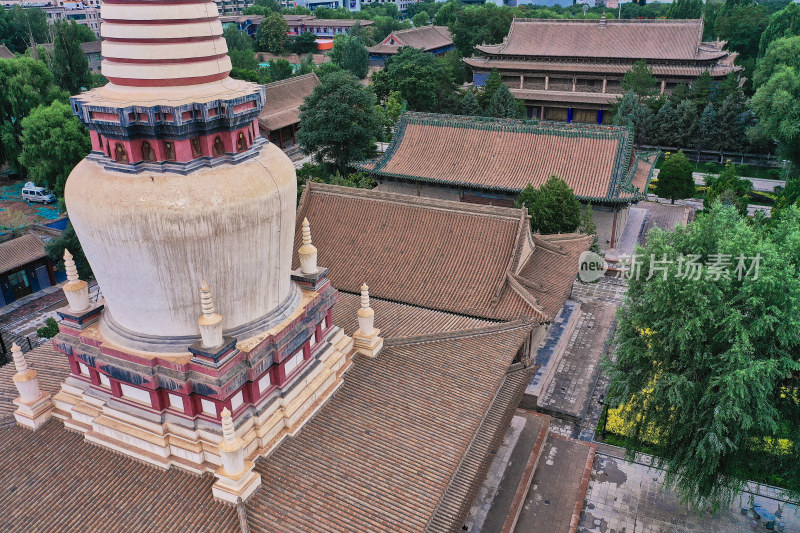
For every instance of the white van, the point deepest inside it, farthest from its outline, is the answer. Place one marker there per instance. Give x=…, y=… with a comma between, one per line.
x=32, y=193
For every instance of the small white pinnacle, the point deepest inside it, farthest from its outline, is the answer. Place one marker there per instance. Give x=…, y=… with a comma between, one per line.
x=364, y=296
x=228, y=431
x=306, y=232
x=19, y=359
x=206, y=299
x=69, y=266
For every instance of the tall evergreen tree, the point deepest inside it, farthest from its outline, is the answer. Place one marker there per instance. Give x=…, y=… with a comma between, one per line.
x=469, y=105
x=686, y=9
x=493, y=82
x=785, y=23
x=706, y=130
x=271, y=34
x=588, y=226
x=70, y=66
x=687, y=123
x=640, y=80
x=667, y=125
x=732, y=125
x=503, y=104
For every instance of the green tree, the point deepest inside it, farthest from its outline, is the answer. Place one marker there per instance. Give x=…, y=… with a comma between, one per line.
x=69, y=240
x=732, y=124
x=729, y=185
x=457, y=69
x=421, y=19
x=780, y=53
x=707, y=363
x=686, y=9
x=701, y=90
x=26, y=84
x=706, y=131
x=327, y=68
x=493, y=82
x=503, y=104
x=688, y=122
x=237, y=40
x=553, y=207
x=305, y=43
x=70, y=66
x=469, y=105
x=53, y=142
x=675, y=179
x=741, y=26
x=23, y=28
x=49, y=330
x=447, y=14
x=243, y=59
x=271, y=34
x=640, y=80
x=667, y=125
x=84, y=34
x=338, y=122
x=785, y=23
x=775, y=105
x=588, y=227
x=631, y=112
x=389, y=113
x=279, y=69
x=350, y=53
x=422, y=79
x=485, y=23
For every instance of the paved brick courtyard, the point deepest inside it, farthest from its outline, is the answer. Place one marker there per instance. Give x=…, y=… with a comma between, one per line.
x=627, y=497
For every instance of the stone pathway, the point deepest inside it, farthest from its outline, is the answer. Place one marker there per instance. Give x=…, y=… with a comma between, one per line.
x=555, y=494
x=627, y=497
x=571, y=388
x=607, y=289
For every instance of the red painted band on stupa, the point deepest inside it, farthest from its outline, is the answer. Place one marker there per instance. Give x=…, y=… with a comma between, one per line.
x=168, y=82
x=198, y=59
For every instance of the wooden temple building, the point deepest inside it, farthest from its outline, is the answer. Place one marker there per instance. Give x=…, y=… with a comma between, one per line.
x=571, y=70
x=280, y=118
x=489, y=161
x=432, y=39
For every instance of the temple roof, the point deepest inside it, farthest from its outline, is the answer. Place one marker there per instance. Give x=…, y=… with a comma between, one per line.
x=283, y=101
x=20, y=251
x=619, y=39
x=424, y=37
x=447, y=256
x=404, y=442
x=392, y=450
x=506, y=155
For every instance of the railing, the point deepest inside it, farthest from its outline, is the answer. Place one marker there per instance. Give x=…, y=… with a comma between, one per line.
x=739, y=158
x=8, y=338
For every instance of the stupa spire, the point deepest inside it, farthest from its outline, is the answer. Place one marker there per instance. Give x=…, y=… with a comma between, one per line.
x=366, y=339
x=76, y=291
x=307, y=252
x=33, y=407
x=235, y=478
x=210, y=321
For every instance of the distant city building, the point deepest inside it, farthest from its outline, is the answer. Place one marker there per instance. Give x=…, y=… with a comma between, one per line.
x=88, y=15
x=490, y=161
x=93, y=55
x=434, y=39
x=232, y=7
x=322, y=28
x=571, y=70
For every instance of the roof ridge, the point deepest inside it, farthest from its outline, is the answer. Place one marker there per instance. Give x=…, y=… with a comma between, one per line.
x=292, y=80
x=609, y=21
x=511, y=213
x=520, y=323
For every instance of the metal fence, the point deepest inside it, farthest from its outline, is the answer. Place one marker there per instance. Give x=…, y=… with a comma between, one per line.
x=8, y=338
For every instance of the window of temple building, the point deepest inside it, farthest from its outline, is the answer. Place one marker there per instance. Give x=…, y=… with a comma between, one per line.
x=313, y=340
x=237, y=401
x=120, y=155
x=175, y=401
x=265, y=382
x=83, y=369
x=196, y=149
x=147, y=152
x=108, y=149
x=169, y=151
x=241, y=143
x=104, y=381
x=208, y=407
x=219, y=148
x=292, y=363
x=133, y=393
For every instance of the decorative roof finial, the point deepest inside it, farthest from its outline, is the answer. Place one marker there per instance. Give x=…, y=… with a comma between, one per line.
x=76, y=291
x=366, y=339
x=19, y=359
x=210, y=322
x=228, y=431
x=307, y=252
x=69, y=266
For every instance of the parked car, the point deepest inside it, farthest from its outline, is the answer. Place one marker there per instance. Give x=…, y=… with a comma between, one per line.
x=32, y=193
